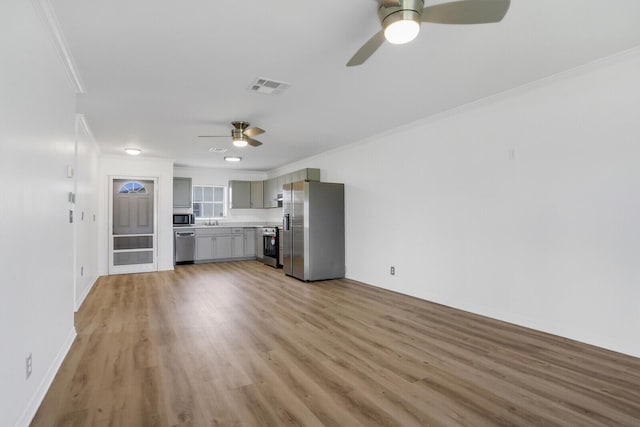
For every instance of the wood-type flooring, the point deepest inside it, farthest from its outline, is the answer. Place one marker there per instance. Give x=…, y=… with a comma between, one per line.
x=242, y=344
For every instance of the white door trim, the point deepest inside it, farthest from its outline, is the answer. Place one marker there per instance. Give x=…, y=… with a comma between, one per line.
x=135, y=268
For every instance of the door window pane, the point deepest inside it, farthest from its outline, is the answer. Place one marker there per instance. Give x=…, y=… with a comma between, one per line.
x=132, y=242
x=131, y=258
x=133, y=187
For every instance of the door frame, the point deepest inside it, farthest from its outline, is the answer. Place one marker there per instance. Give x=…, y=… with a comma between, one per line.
x=134, y=268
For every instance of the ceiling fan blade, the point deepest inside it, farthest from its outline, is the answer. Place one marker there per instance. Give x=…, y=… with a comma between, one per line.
x=213, y=136
x=466, y=12
x=367, y=49
x=253, y=131
x=253, y=142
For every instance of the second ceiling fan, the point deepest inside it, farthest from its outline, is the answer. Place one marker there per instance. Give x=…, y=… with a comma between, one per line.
x=241, y=134
x=401, y=20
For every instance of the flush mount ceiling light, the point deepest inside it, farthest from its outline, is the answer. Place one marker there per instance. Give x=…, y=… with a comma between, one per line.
x=132, y=151
x=232, y=158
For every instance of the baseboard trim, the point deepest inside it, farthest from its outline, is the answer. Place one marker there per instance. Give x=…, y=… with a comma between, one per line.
x=41, y=391
x=85, y=293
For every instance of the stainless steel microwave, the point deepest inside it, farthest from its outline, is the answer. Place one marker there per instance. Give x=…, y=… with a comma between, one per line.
x=183, y=219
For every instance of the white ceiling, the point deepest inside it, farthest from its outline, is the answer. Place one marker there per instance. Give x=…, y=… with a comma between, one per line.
x=159, y=72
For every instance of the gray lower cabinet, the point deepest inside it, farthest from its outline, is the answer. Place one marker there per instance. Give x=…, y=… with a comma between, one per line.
x=249, y=242
x=213, y=243
x=259, y=244
x=222, y=247
x=222, y=243
x=237, y=243
x=204, y=247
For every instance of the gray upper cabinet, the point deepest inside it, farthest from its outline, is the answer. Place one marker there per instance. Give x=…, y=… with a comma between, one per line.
x=239, y=194
x=264, y=194
x=312, y=174
x=181, y=192
x=257, y=195
x=270, y=193
x=246, y=194
x=309, y=174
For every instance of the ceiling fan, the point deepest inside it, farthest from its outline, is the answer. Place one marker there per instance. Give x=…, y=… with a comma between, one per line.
x=401, y=20
x=241, y=134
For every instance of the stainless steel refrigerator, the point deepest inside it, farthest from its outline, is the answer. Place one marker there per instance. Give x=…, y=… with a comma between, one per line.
x=313, y=230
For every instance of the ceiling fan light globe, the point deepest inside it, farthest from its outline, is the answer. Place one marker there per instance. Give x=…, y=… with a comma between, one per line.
x=402, y=31
x=240, y=142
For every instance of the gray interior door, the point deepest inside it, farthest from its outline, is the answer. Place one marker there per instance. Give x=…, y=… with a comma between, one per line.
x=133, y=226
x=132, y=207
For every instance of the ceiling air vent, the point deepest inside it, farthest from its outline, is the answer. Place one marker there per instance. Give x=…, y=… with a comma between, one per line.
x=268, y=86
x=217, y=150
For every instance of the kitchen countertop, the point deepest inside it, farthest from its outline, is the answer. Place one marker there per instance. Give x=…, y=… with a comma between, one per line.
x=230, y=224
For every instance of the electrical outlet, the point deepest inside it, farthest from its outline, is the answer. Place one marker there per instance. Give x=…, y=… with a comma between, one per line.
x=393, y=271
x=29, y=365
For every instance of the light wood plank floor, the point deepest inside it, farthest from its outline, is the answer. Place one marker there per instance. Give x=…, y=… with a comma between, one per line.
x=241, y=344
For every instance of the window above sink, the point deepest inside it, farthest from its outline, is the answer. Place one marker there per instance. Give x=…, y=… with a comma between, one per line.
x=209, y=201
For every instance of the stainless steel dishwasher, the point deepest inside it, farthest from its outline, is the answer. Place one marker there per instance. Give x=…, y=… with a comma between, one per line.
x=185, y=246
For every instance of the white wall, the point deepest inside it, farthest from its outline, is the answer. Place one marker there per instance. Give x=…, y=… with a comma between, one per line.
x=37, y=120
x=210, y=176
x=524, y=207
x=139, y=167
x=85, y=211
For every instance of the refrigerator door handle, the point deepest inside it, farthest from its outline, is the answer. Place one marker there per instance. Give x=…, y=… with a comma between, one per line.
x=285, y=222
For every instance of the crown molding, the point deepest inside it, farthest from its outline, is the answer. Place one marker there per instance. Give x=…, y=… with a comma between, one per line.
x=579, y=70
x=82, y=123
x=82, y=120
x=50, y=21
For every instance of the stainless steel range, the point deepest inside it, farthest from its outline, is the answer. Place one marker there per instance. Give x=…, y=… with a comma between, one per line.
x=271, y=246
